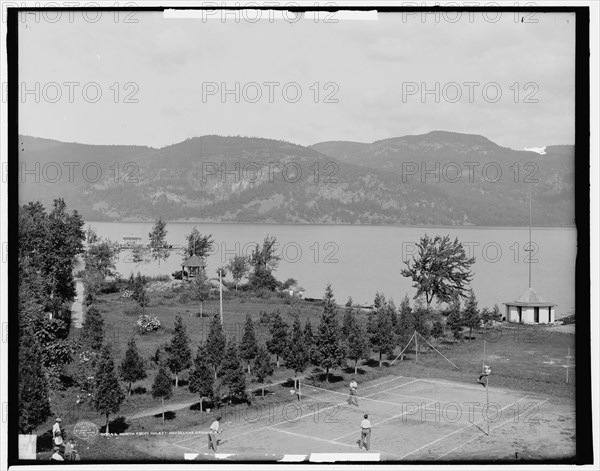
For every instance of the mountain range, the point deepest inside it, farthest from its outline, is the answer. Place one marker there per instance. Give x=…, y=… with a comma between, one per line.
x=439, y=178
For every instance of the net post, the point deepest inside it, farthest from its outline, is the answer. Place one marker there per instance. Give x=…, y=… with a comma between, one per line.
x=487, y=402
x=483, y=359
x=403, y=350
x=416, y=347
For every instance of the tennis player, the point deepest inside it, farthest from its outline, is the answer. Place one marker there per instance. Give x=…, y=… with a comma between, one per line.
x=352, y=399
x=215, y=429
x=365, y=433
x=486, y=372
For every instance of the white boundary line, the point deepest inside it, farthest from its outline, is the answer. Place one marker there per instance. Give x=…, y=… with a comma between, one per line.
x=429, y=399
x=301, y=416
x=414, y=380
x=458, y=430
x=479, y=436
x=183, y=447
x=464, y=386
x=332, y=441
x=385, y=420
x=366, y=387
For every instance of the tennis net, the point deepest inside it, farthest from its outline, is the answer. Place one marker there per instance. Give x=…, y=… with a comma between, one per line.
x=385, y=408
x=390, y=405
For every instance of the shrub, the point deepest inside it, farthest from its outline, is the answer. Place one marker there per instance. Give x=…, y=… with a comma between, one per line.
x=185, y=296
x=148, y=323
x=265, y=317
x=178, y=275
x=108, y=287
x=263, y=293
x=152, y=278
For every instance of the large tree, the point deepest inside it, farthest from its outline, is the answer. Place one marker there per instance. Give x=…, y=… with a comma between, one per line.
x=348, y=318
x=357, y=342
x=380, y=328
x=277, y=344
x=248, y=345
x=92, y=328
x=238, y=266
x=309, y=341
x=263, y=368
x=179, y=354
x=264, y=262
x=48, y=244
x=296, y=354
x=162, y=387
x=405, y=326
x=158, y=243
x=140, y=294
x=441, y=269
x=421, y=319
x=108, y=394
x=33, y=402
x=198, y=244
x=471, y=314
x=215, y=344
x=437, y=331
x=132, y=367
x=454, y=320
x=201, y=289
x=201, y=378
x=99, y=258
x=232, y=372
x=329, y=348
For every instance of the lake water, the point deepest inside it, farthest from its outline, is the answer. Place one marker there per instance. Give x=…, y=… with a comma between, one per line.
x=360, y=260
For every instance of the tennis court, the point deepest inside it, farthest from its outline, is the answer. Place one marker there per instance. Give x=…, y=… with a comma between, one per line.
x=412, y=419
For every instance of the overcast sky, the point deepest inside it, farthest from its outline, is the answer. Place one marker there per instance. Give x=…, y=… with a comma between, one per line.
x=376, y=70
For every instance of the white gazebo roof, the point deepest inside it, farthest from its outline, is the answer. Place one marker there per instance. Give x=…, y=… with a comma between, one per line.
x=529, y=298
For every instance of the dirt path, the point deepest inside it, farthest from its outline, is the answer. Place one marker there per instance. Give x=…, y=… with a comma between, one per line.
x=77, y=307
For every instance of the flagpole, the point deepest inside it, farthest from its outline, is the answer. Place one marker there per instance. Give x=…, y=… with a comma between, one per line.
x=530, y=247
x=220, y=296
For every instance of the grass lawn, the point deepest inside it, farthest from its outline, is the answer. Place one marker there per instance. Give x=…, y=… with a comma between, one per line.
x=522, y=358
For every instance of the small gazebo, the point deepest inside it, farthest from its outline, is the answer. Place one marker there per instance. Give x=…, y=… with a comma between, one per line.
x=529, y=308
x=191, y=267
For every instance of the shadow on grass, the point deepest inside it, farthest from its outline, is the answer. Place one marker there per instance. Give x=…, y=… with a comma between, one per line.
x=289, y=383
x=206, y=404
x=350, y=370
x=333, y=378
x=118, y=425
x=258, y=392
x=169, y=415
x=67, y=381
x=139, y=390
x=234, y=400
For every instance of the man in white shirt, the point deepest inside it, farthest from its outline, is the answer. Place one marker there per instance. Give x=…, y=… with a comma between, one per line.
x=57, y=433
x=352, y=399
x=365, y=433
x=212, y=435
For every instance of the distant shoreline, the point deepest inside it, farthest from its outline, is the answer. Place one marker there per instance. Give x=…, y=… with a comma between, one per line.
x=200, y=221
